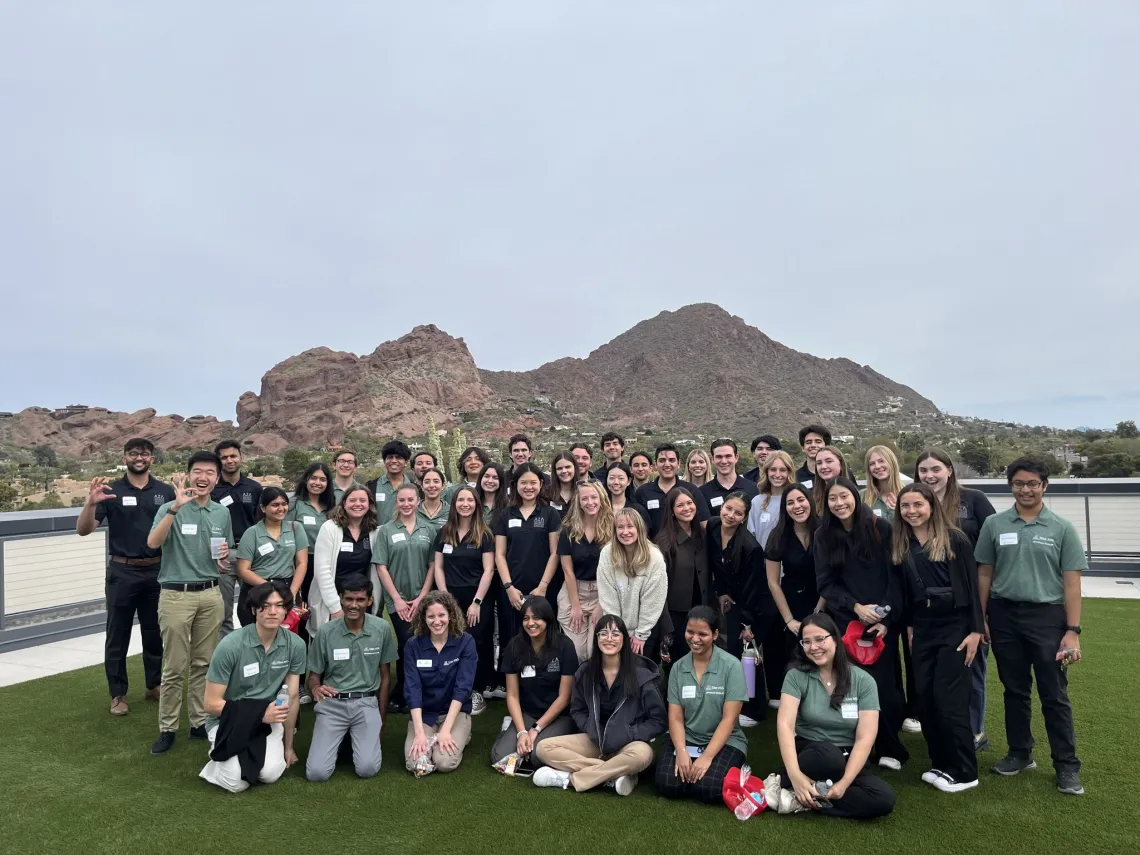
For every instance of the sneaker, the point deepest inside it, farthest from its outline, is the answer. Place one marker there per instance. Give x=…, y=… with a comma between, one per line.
x=164, y=742
x=119, y=706
x=478, y=705
x=890, y=763
x=396, y=707
x=547, y=777
x=772, y=791
x=152, y=694
x=981, y=743
x=198, y=732
x=747, y=721
x=912, y=725
x=947, y=784
x=774, y=704
x=499, y=692
x=789, y=803
x=489, y=693
x=1069, y=783
x=623, y=784
x=306, y=698
x=1011, y=765
x=930, y=776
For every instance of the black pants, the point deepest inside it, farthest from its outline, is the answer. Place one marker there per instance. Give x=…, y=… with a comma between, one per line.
x=943, y=687
x=907, y=680
x=244, y=612
x=1026, y=636
x=777, y=646
x=403, y=630
x=869, y=796
x=708, y=788
x=131, y=591
x=885, y=673
x=482, y=633
x=755, y=707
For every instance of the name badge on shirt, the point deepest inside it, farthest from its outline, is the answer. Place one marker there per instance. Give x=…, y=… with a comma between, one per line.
x=688, y=691
x=716, y=501
x=226, y=501
x=877, y=512
x=423, y=663
x=399, y=538
x=130, y=501
x=265, y=549
x=346, y=547
x=765, y=517
x=808, y=483
x=340, y=654
x=849, y=709
x=448, y=549
x=308, y=520
x=251, y=670
x=527, y=671
x=514, y=523
x=381, y=497
x=653, y=504
x=1007, y=538
x=189, y=528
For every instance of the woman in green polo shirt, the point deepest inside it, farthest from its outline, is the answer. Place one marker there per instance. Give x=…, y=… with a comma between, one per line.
x=433, y=509
x=706, y=693
x=403, y=560
x=272, y=548
x=829, y=714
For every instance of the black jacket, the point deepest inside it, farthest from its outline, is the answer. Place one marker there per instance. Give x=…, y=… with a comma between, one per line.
x=241, y=733
x=636, y=719
x=867, y=579
x=745, y=579
x=963, y=572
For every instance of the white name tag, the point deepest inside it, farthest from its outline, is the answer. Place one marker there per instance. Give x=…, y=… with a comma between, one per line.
x=308, y=520
x=1007, y=538
x=514, y=523
x=423, y=663
x=527, y=671
x=189, y=528
x=251, y=670
x=265, y=549
x=808, y=483
x=448, y=549
x=653, y=504
x=130, y=501
x=399, y=538
x=226, y=501
x=716, y=501
x=381, y=497
x=346, y=547
x=849, y=709
x=340, y=654
x=765, y=517
x=688, y=691
x=877, y=512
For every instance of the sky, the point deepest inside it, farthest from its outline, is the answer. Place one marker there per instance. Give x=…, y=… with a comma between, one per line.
x=193, y=192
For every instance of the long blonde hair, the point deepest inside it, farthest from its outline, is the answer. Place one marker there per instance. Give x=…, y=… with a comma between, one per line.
x=938, y=545
x=642, y=549
x=574, y=524
x=704, y=455
x=871, y=493
x=762, y=482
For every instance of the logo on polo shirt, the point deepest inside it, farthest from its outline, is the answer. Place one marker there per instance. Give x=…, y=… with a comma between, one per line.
x=279, y=663
x=714, y=690
x=159, y=499
x=371, y=651
x=554, y=666
x=1044, y=540
x=539, y=522
x=247, y=498
x=449, y=662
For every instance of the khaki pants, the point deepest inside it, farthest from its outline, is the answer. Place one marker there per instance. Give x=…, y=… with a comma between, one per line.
x=189, y=622
x=443, y=761
x=588, y=598
x=577, y=755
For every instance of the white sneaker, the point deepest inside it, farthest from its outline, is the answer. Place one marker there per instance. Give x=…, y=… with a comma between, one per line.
x=949, y=785
x=930, y=776
x=789, y=803
x=305, y=698
x=912, y=725
x=499, y=692
x=488, y=693
x=544, y=776
x=890, y=763
x=747, y=721
x=774, y=704
x=478, y=705
x=772, y=790
x=623, y=784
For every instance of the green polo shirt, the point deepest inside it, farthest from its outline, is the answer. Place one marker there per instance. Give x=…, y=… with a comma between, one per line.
x=248, y=670
x=304, y=514
x=882, y=510
x=816, y=720
x=269, y=558
x=438, y=520
x=186, y=552
x=450, y=489
x=350, y=662
x=339, y=491
x=405, y=555
x=703, y=701
x=386, y=497
x=1028, y=558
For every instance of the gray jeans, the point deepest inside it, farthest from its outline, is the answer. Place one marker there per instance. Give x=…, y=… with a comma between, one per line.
x=227, y=583
x=978, y=690
x=358, y=717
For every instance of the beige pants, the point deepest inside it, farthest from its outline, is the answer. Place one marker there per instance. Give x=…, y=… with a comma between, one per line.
x=577, y=755
x=443, y=761
x=588, y=597
x=188, y=621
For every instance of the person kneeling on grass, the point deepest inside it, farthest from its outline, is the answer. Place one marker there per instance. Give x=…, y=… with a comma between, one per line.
x=618, y=707
x=350, y=664
x=829, y=715
x=248, y=722
x=706, y=693
x=439, y=674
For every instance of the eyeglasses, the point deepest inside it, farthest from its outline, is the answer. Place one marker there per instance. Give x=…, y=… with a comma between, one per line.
x=136, y=455
x=609, y=633
x=1025, y=485
x=805, y=643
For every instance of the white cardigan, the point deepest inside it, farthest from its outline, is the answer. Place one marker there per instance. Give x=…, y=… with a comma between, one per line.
x=323, y=598
x=638, y=600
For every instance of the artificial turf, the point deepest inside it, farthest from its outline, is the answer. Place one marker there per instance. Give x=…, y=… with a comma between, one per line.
x=76, y=779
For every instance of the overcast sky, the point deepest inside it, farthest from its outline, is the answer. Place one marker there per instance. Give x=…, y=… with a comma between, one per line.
x=192, y=192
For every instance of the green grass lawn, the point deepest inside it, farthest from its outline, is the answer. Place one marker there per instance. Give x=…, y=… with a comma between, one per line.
x=76, y=779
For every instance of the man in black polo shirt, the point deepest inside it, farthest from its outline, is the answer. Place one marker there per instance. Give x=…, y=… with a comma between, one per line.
x=761, y=447
x=812, y=439
x=583, y=457
x=726, y=482
x=652, y=495
x=613, y=447
x=241, y=496
x=128, y=507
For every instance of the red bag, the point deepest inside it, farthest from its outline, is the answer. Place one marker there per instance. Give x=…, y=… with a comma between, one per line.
x=862, y=651
x=293, y=620
x=743, y=793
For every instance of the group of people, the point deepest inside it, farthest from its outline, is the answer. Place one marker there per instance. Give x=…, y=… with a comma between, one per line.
x=606, y=607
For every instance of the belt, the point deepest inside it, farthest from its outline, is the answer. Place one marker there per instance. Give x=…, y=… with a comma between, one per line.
x=351, y=696
x=189, y=586
x=136, y=562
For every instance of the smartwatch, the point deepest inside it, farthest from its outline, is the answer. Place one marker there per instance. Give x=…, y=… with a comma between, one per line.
x=1076, y=629
x=478, y=601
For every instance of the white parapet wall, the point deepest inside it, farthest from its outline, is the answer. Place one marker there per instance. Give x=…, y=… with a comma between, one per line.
x=53, y=571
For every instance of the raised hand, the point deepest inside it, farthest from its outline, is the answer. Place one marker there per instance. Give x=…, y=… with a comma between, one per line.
x=99, y=491
x=183, y=492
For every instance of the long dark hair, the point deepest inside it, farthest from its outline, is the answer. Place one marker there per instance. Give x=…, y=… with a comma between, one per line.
x=461, y=465
x=500, y=502
x=741, y=538
x=670, y=532
x=553, y=490
x=780, y=538
x=268, y=495
x=521, y=648
x=840, y=665
x=516, y=499
x=627, y=659
x=328, y=497
x=819, y=487
x=624, y=467
x=837, y=544
x=953, y=494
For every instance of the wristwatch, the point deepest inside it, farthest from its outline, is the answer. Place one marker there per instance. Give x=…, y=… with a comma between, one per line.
x=1076, y=629
x=477, y=601
x=536, y=727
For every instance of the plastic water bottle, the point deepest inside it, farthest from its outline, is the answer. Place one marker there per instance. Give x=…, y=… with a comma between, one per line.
x=749, y=806
x=881, y=611
x=283, y=696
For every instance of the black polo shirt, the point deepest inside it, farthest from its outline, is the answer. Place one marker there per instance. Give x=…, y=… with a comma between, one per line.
x=973, y=508
x=652, y=498
x=715, y=494
x=540, y=680
x=528, y=544
x=752, y=475
x=355, y=555
x=130, y=516
x=583, y=556
x=463, y=562
x=241, y=500
x=600, y=474
x=805, y=476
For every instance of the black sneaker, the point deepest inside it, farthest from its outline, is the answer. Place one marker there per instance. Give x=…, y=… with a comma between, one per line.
x=164, y=742
x=1011, y=764
x=198, y=732
x=1069, y=783
x=981, y=743
x=396, y=708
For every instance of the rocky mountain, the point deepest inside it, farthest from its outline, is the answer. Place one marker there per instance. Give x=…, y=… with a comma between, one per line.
x=696, y=369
